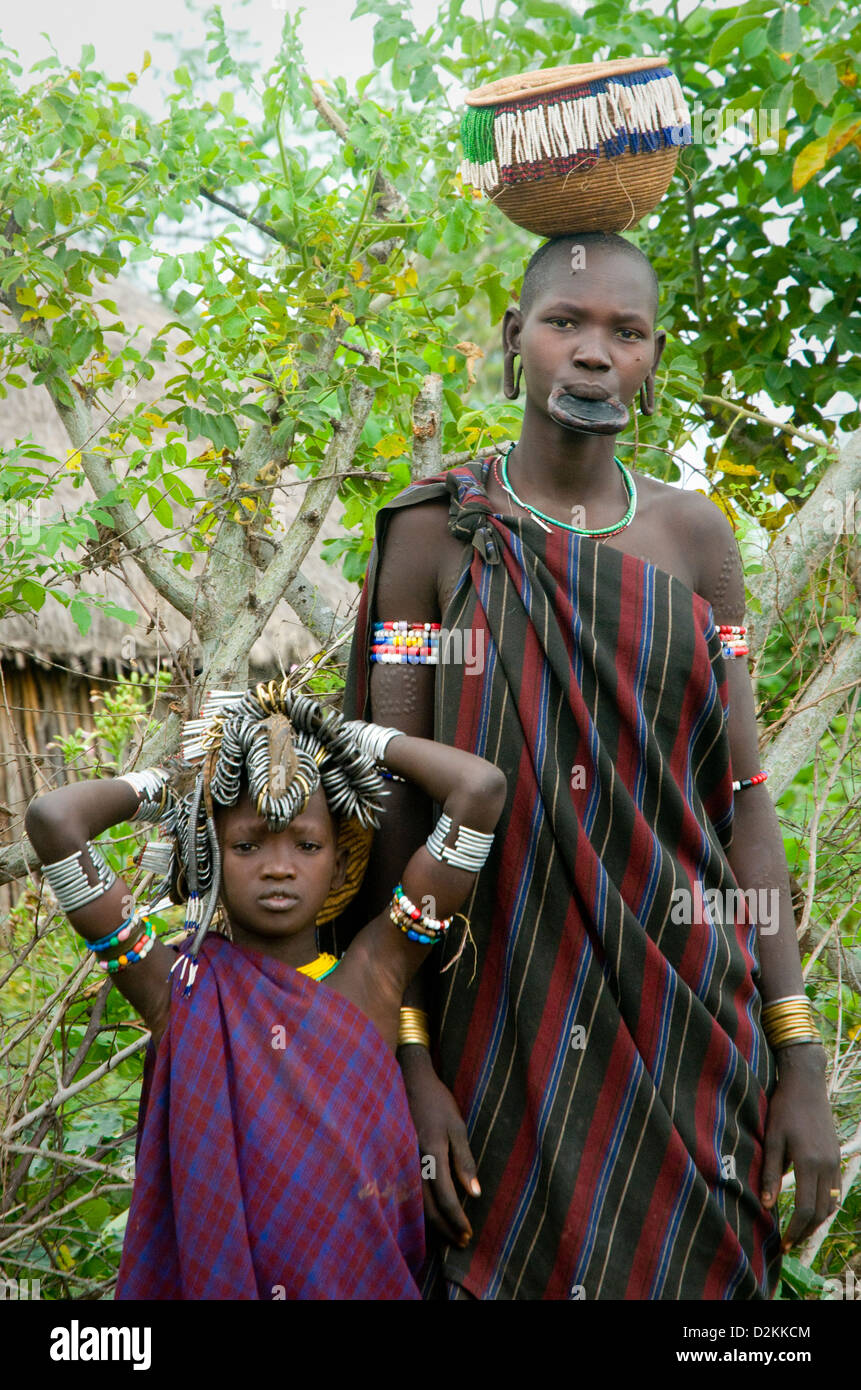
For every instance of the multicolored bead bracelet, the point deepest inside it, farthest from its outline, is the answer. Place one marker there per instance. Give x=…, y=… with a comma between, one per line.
x=139, y=951
x=121, y=933
x=733, y=640
x=401, y=643
x=425, y=931
x=753, y=781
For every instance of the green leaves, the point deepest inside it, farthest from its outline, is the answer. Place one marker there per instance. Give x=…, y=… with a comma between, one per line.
x=730, y=37
x=784, y=31
x=168, y=273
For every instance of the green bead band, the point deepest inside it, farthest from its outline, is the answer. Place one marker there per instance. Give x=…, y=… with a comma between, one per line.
x=630, y=488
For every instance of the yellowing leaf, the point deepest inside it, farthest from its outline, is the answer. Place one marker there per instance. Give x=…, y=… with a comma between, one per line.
x=391, y=446
x=154, y=419
x=471, y=352
x=73, y=460
x=741, y=470
x=725, y=505
x=25, y=295
x=65, y=1258
x=809, y=161
x=249, y=503
x=848, y=79
x=356, y=270
x=147, y=60
x=841, y=133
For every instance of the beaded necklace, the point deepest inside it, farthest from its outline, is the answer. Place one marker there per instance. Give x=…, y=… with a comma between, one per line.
x=321, y=967
x=601, y=531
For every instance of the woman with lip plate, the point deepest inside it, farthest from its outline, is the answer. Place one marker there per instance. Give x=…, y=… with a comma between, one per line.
x=629, y=1075
x=276, y=1158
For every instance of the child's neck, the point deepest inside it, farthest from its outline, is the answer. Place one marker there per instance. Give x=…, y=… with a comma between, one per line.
x=298, y=949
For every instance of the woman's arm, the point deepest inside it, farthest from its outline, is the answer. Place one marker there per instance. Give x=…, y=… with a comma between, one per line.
x=61, y=822
x=415, y=544
x=382, y=959
x=800, y=1127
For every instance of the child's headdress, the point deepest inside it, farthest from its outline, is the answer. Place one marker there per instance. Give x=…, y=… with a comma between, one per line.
x=284, y=745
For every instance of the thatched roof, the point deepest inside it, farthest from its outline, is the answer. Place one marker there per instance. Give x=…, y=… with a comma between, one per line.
x=51, y=634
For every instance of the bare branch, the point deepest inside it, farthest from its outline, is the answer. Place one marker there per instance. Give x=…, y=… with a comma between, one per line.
x=743, y=411
x=822, y=698
x=64, y=1093
x=76, y=420
x=800, y=547
x=17, y=860
x=231, y=657
x=427, y=429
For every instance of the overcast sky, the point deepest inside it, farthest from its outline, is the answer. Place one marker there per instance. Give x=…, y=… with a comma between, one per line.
x=120, y=32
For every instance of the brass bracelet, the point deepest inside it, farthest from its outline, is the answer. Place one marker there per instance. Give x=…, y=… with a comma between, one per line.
x=789, y=1020
x=413, y=1027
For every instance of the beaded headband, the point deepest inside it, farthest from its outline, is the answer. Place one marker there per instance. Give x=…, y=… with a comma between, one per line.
x=286, y=746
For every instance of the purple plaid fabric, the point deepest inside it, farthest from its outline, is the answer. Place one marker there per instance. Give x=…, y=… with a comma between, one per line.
x=277, y=1157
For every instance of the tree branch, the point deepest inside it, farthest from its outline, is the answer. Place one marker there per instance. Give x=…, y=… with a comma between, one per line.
x=427, y=429
x=821, y=699
x=800, y=547
x=78, y=425
x=231, y=659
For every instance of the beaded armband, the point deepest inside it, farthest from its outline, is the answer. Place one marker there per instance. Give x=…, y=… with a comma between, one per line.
x=401, y=644
x=733, y=640
x=753, y=781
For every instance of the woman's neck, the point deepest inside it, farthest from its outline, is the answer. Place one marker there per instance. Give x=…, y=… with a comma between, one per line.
x=561, y=467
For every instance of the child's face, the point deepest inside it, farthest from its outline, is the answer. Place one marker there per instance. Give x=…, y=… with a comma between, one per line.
x=275, y=882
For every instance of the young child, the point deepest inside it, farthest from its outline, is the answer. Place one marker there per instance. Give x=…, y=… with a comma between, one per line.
x=276, y=1155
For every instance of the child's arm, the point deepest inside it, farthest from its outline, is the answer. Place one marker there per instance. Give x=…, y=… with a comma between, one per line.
x=61, y=822
x=382, y=959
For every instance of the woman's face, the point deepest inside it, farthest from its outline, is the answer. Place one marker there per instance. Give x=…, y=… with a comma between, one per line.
x=275, y=882
x=589, y=332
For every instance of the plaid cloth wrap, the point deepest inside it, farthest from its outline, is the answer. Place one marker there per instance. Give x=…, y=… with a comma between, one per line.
x=608, y=1058
x=267, y=1172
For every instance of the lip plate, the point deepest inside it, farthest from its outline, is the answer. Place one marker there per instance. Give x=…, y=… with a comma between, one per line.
x=584, y=391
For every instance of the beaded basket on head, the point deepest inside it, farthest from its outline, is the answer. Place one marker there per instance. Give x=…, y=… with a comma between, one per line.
x=587, y=147
x=283, y=746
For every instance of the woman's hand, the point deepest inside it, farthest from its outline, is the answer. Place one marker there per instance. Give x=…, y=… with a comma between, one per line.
x=443, y=1137
x=800, y=1131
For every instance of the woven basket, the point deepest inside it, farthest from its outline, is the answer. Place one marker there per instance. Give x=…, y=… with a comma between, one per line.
x=588, y=147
